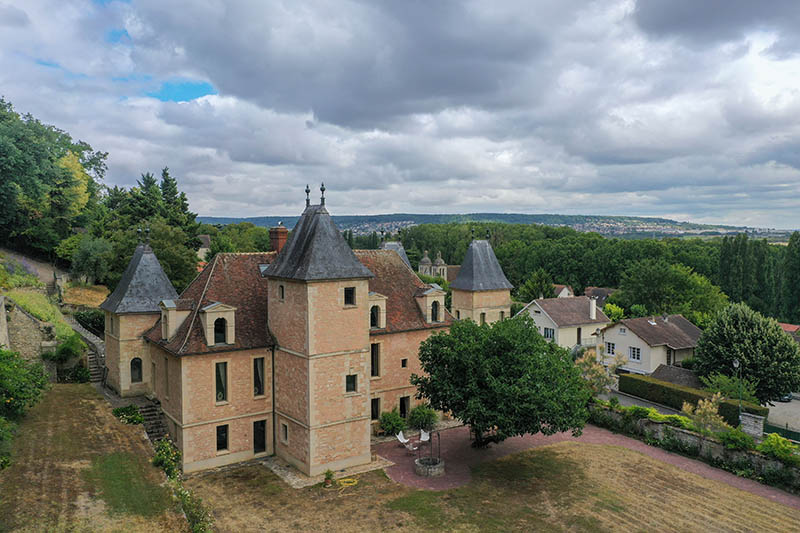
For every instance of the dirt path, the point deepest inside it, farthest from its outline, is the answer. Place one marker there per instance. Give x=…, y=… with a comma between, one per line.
x=460, y=457
x=43, y=270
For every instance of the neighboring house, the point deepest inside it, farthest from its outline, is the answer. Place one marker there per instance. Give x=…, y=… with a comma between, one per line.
x=205, y=246
x=568, y=322
x=562, y=291
x=437, y=268
x=294, y=352
x=481, y=291
x=397, y=246
x=648, y=342
x=599, y=293
x=792, y=330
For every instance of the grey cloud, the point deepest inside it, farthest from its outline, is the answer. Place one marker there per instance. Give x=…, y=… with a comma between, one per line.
x=11, y=16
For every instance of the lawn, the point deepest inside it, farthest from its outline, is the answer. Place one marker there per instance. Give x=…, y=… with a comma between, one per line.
x=85, y=295
x=568, y=486
x=77, y=468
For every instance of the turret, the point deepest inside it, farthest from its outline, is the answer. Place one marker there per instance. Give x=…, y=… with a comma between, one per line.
x=481, y=291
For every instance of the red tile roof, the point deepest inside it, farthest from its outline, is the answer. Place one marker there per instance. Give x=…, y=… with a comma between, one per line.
x=789, y=328
x=231, y=279
x=395, y=280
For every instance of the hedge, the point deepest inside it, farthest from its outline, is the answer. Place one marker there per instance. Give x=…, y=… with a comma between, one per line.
x=673, y=396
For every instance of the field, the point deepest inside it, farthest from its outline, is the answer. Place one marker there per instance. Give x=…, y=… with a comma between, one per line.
x=568, y=486
x=85, y=295
x=76, y=468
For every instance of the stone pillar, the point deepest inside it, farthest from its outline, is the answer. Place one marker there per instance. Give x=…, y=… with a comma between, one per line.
x=753, y=425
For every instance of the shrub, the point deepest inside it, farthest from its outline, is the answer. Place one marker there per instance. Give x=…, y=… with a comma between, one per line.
x=422, y=417
x=391, y=422
x=779, y=448
x=779, y=477
x=675, y=395
x=69, y=349
x=329, y=475
x=688, y=363
x=200, y=518
x=168, y=457
x=705, y=415
x=128, y=415
x=77, y=374
x=92, y=319
x=7, y=429
x=730, y=387
x=22, y=384
x=736, y=439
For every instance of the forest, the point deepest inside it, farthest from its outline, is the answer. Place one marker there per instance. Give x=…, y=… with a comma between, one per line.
x=57, y=206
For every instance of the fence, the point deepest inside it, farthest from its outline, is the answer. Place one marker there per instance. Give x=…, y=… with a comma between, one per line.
x=782, y=431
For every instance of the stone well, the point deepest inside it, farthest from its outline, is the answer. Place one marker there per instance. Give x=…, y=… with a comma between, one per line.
x=429, y=466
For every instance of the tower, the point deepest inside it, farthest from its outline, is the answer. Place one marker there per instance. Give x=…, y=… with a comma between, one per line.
x=481, y=291
x=130, y=311
x=425, y=264
x=318, y=312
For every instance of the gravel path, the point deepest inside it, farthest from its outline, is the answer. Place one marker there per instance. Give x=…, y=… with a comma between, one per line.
x=43, y=270
x=460, y=456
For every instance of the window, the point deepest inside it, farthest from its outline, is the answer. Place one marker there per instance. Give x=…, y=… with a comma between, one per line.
x=622, y=331
x=375, y=360
x=222, y=382
x=281, y=293
x=284, y=433
x=404, y=363
x=669, y=356
x=405, y=404
x=351, y=383
x=136, y=370
x=375, y=409
x=435, y=311
x=258, y=376
x=166, y=377
x=349, y=296
x=483, y=318
x=634, y=354
x=222, y=438
x=611, y=348
x=502, y=315
x=458, y=315
x=220, y=325
x=374, y=317
x=259, y=436
x=549, y=333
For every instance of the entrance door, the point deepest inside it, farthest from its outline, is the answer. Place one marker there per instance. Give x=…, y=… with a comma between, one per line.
x=579, y=336
x=405, y=403
x=260, y=436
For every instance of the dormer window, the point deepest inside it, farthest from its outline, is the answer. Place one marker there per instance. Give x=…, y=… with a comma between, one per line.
x=374, y=316
x=220, y=327
x=377, y=311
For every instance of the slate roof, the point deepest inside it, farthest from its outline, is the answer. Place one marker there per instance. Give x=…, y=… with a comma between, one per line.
x=572, y=311
x=205, y=241
x=480, y=270
x=558, y=288
x=143, y=285
x=452, y=272
x=231, y=279
x=399, y=284
x=675, y=332
x=397, y=246
x=677, y=375
x=316, y=250
x=601, y=293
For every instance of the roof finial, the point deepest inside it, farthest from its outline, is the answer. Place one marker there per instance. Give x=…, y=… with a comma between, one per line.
x=472, y=233
x=322, y=198
x=139, y=234
x=488, y=235
x=308, y=198
x=383, y=235
x=147, y=235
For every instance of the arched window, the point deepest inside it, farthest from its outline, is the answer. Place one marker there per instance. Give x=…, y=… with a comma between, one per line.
x=136, y=370
x=220, y=325
x=435, y=311
x=374, y=317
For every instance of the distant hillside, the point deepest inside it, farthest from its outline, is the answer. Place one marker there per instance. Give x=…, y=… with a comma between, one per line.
x=606, y=225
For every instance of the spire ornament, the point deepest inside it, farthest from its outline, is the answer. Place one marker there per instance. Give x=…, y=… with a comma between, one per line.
x=322, y=198
x=308, y=198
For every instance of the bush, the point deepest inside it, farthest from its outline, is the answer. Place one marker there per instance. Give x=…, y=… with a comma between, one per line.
x=391, y=422
x=168, y=457
x=92, y=319
x=780, y=448
x=77, y=374
x=7, y=429
x=69, y=349
x=675, y=395
x=128, y=415
x=688, y=363
x=422, y=417
x=200, y=518
x=22, y=384
x=730, y=387
x=736, y=439
x=14, y=274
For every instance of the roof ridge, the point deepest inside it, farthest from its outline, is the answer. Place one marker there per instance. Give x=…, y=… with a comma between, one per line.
x=200, y=301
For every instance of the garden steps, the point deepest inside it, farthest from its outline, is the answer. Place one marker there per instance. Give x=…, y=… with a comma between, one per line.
x=95, y=371
x=154, y=423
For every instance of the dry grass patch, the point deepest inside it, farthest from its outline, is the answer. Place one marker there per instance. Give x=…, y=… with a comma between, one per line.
x=77, y=468
x=88, y=296
x=568, y=486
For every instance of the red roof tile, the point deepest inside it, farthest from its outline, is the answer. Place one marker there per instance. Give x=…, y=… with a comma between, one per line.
x=789, y=328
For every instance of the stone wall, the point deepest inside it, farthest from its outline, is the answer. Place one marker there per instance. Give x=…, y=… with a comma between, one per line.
x=3, y=326
x=752, y=424
x=31, y=337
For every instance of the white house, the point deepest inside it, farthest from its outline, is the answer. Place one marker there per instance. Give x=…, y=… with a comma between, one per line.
x=650, y=341
x=568, y=321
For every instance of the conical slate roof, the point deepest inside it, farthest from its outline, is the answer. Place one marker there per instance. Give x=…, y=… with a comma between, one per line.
x=316, y=251
x=397, y=246
x=480, y=270
x=143, y=285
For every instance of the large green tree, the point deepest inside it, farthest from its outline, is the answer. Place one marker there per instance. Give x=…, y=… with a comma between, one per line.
x=767, y=354
x=790, y=287
x=502, y=378
x=538, y=285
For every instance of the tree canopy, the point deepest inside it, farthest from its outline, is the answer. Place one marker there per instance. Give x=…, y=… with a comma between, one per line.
x=503, y=376
x=767, y=355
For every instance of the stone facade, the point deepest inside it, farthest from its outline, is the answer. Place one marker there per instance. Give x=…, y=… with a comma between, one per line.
x=124, y=342
x=493, y=305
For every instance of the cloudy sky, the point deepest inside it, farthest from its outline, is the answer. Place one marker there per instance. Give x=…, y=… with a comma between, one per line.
x=675, y=108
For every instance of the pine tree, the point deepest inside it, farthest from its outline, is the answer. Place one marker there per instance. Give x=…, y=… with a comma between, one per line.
x=790, y=287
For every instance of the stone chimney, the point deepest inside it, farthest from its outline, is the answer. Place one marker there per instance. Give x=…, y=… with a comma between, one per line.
x=277, y=237
x=593, y=308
